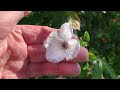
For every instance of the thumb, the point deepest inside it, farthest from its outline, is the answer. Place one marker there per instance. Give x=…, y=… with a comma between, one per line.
x=27, y=12
x=8, y=19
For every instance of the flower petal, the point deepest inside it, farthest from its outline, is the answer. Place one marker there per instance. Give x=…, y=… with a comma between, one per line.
x=73, y=49
x=65, y=32
x=54, y=52
x=49, y=38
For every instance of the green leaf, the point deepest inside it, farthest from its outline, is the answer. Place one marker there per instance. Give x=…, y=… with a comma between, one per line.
x=86, y=36
x=101, y=65
x=109, y=69
x=92, y=56
x=83, y=43
x=86, y=66
x=93, y=50
x=97, y=72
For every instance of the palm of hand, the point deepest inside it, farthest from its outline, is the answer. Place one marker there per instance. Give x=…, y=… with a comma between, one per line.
x=23, y=55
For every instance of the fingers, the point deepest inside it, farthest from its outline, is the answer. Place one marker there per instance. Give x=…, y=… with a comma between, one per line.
x=62, y=69
x=82, y=56
x=36, y=70
x=37, y=54
x=35, y=34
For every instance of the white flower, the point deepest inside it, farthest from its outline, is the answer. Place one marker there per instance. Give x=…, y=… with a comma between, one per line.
x=60, y=45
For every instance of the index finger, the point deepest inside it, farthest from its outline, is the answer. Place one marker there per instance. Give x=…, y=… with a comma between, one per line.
x=36, y=34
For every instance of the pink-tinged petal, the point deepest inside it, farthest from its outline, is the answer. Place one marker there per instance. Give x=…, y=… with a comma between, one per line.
x=73, y=49
x=65, y=32
x=54, y=52
x=49, y=38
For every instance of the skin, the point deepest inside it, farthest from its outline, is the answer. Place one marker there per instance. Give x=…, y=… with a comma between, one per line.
x=22, y=54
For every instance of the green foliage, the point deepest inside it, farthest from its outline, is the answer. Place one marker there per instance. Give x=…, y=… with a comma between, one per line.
x=83, y=43
x=109, y=70
x=92, y=56
x=99, y=33
x=86, y=37
x=97, y=72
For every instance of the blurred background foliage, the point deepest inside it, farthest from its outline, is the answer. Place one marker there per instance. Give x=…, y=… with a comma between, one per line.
x=100, y=32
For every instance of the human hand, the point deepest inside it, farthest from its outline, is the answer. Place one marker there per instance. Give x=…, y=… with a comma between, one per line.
x=22, y=54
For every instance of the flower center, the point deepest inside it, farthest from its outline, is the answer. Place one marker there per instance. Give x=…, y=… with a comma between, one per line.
x=64, y=45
